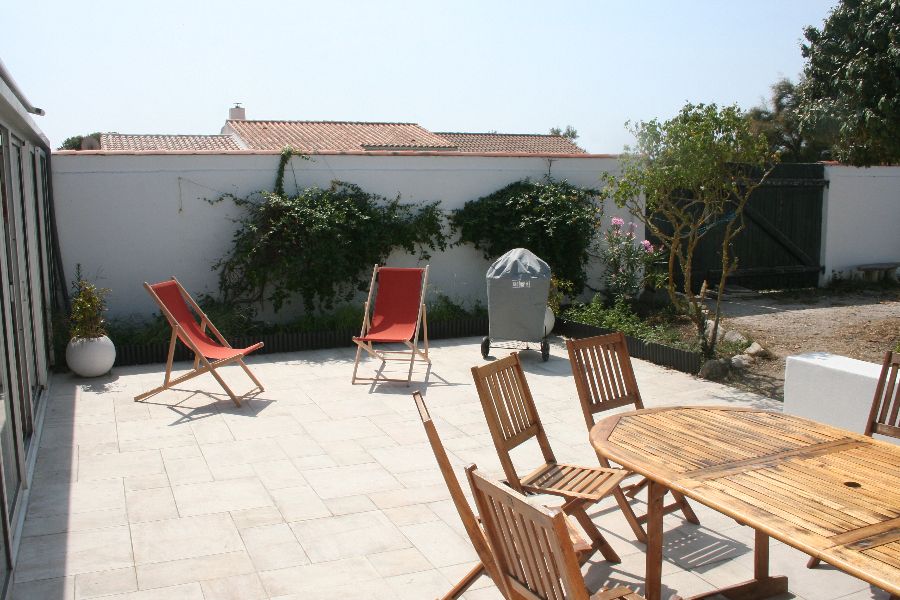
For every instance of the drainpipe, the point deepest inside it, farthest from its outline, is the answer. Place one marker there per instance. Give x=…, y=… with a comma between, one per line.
x=11, y=84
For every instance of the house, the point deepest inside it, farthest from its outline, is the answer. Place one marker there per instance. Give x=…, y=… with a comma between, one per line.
x=28, y=275
x=315, y=137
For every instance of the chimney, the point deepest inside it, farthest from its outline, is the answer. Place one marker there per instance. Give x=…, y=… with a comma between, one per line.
x=237, y=113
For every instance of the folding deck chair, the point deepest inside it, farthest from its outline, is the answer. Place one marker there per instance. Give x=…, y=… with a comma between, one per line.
x=173, y=301
x=397, y=316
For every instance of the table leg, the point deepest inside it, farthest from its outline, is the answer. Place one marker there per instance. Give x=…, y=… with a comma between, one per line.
x=760, y=556
x=653, y=578
x=762, y=585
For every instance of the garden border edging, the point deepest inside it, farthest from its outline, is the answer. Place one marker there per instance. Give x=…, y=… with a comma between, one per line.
x=142, y=354
x=659, y=354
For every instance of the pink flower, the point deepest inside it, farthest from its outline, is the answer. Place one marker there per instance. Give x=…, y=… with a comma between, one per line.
x=647, y=246
x=617, y=222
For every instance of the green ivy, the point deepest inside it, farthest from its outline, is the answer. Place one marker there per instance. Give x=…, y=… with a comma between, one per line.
x=554, y=219
x=320, y=244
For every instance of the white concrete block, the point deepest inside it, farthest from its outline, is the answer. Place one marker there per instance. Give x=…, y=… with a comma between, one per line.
x=831, y=389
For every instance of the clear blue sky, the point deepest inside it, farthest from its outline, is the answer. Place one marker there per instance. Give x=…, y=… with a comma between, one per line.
x=511, y=66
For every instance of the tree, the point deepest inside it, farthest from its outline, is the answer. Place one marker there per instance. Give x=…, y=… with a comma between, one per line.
x=779, y=121
x=570, y=133
x=686, y=176
x=74, y=142
x=852, y=76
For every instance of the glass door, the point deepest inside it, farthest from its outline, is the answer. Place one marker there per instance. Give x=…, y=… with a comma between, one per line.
x=21, y=260
x=12, y=456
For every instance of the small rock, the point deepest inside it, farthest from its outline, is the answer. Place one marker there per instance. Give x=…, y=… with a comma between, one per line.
x=741, y=361
x=756, y=351
x=735, y=337
x=714, y=369
x=709, y=327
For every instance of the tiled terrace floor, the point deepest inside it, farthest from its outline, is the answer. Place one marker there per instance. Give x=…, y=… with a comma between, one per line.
x=320, y=489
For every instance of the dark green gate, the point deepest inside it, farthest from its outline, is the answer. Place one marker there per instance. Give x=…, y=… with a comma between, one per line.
x=780, y=245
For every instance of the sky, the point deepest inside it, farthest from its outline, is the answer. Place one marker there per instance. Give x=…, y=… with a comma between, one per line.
x=508, y=66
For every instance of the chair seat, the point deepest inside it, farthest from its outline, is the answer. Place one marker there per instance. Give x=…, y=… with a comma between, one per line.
x=619, y=593
x=573, y=481
x=218, y=352
x=394, y=334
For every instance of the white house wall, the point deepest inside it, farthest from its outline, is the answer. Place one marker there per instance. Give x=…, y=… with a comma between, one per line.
x=130, y=218
x=861, y=219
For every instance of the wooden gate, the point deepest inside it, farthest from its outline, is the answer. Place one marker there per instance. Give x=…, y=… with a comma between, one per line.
x=780, y=245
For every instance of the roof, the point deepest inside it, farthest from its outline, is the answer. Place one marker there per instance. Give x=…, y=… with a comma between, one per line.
x=311, y=137
x=512, y=142
x=337, y=136
x=120, y=141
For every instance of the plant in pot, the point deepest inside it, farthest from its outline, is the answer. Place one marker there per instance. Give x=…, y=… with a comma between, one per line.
x=90, y=353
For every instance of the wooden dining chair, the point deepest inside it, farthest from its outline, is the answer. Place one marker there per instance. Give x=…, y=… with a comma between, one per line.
x=535, y=559
x=513, y=420
x=884, y=416
x=605, y=381
x=469, y=520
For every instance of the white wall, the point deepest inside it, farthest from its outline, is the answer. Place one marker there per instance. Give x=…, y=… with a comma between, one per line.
x=831, y=389
x=130, y=218
x=861, y=219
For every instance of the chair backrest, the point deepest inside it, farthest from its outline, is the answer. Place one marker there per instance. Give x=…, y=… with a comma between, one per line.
x=469, y=520
x=603, y=374
x=884, y=418
x=170, y=295
x=398, y=299
x=510, y=412
x=534, y=555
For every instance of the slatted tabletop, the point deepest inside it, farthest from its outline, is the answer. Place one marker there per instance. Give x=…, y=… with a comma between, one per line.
x=828, y=492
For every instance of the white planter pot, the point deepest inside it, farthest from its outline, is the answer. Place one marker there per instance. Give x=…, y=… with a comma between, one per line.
x=549, y=321
x=90, y=357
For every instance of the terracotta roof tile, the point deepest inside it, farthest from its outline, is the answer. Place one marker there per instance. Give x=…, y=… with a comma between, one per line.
x=336, y=136
x=119, y=141
x=512, y=143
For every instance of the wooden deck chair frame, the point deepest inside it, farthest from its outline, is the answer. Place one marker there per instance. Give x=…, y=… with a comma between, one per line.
x=469, y=520
x=884, y=416
x=513, y=419
x=604, y=379
x=386, y=355
x=534, y=556
x=201, y=363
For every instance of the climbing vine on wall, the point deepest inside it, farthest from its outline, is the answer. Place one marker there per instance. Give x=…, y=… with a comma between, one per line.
x=554, y=219
x=320, y=244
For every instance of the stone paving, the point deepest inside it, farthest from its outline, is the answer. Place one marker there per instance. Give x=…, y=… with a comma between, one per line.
x=320, y=489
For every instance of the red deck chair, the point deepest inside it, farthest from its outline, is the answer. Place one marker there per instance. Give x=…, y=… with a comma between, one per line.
x=399, y=311
x=173, y=301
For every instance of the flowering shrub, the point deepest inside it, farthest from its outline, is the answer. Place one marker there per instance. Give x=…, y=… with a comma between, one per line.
x=627, y=262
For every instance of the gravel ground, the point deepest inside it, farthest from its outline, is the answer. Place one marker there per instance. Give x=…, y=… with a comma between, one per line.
x=860, y=325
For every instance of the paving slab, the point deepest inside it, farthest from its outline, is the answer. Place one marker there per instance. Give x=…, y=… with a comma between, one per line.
x=317, y=488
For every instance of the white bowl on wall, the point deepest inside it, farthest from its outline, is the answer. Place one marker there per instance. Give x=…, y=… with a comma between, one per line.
x=90, y=357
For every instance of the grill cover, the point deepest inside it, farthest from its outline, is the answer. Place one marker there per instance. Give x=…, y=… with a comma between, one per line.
x=517, y=287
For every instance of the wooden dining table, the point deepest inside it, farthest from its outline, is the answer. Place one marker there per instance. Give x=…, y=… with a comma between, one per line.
x=830, y=493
